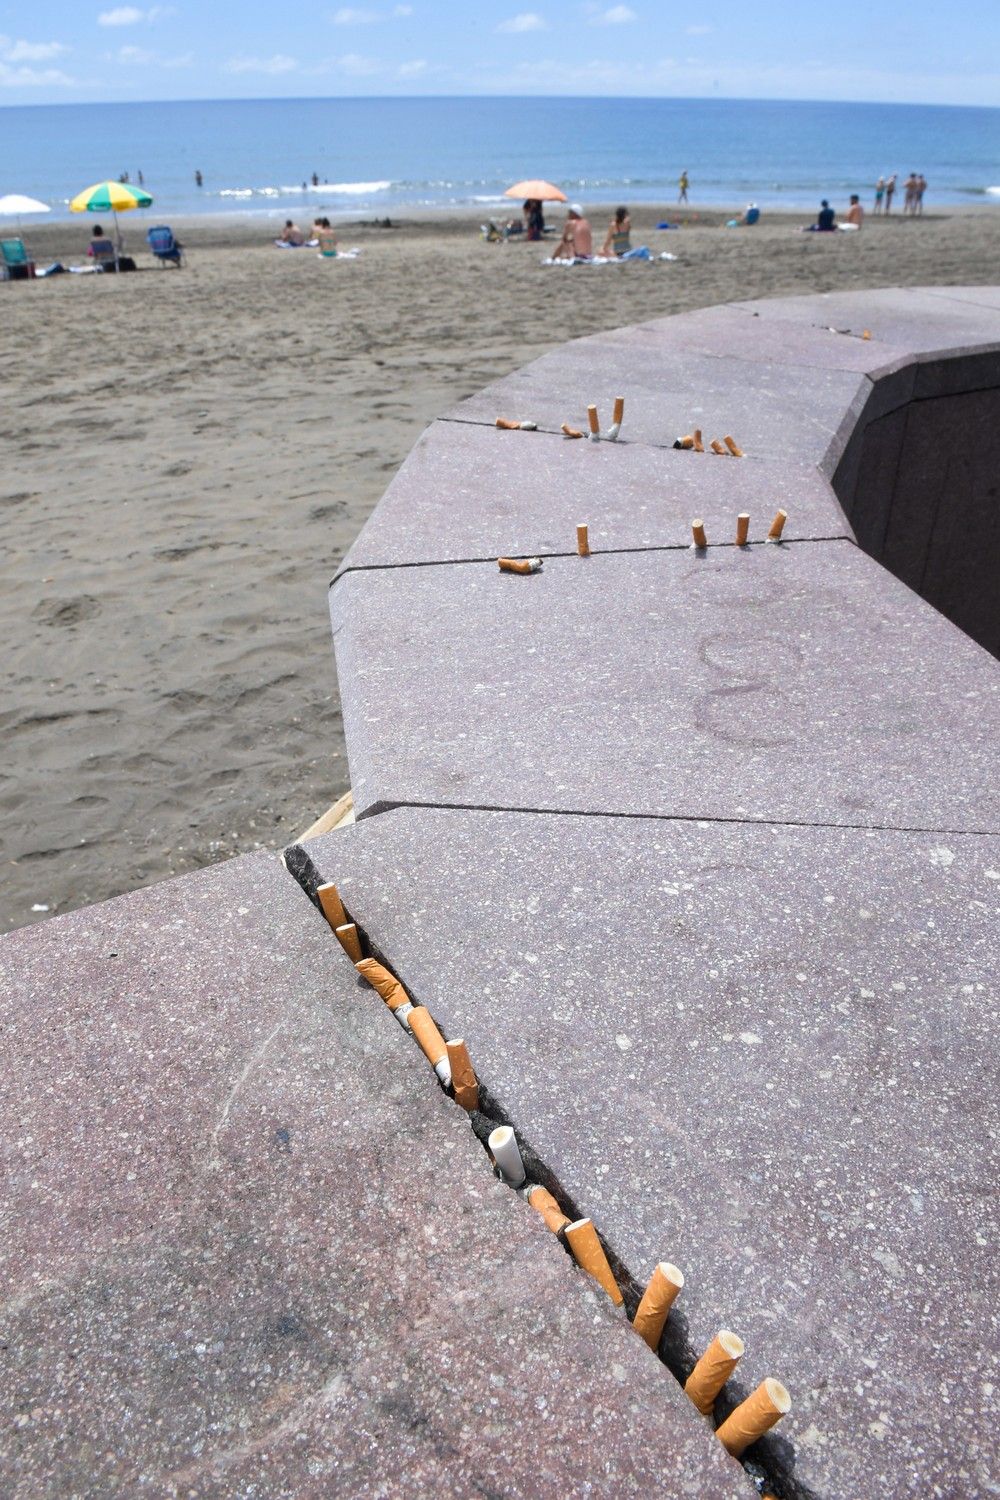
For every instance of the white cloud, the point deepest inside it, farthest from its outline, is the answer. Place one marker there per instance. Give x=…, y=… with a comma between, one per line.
x=528, y=20
x=412, y=69
x=357, y=67
x=33, y=78
x=402, y=10
x=698, y=30
x=30, y=51
x=618, y=15
x=134, y=56
x=348, y=16
x=122, y=15
x=279, y=63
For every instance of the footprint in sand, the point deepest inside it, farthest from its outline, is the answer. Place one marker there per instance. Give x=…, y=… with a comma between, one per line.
x=66, y=612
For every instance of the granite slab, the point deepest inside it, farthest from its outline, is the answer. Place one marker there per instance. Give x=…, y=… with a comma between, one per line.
x=793, y=683
x=251, y=1249
x=776, y=414
x=764, y=1053
x=469, y=492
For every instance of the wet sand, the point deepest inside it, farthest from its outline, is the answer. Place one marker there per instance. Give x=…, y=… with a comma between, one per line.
x=187, y=456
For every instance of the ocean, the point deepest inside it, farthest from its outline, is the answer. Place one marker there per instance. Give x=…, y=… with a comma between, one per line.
x=384, y=156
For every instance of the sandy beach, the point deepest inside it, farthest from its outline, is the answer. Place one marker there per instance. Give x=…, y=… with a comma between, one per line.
x=187, y=456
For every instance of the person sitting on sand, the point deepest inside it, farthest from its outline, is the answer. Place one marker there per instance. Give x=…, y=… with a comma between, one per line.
x=577, y=241
x=855, y=214
x=108, y=253
x=292, y=234
x=618, y=240
x=534, y=219
x=325, y=234
x=824, y=220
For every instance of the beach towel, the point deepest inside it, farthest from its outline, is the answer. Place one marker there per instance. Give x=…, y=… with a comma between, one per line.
x=339, y=254
x=287, y=245
x=639, y=253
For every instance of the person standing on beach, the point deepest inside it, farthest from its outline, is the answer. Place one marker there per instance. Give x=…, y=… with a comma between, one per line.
x=910, y=194
x=890, y=188
x=921, y=190
x=682, y=184
x=879, y=195
x=198, y=179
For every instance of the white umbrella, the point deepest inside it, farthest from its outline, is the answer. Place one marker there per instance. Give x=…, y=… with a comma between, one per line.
x=16, y=204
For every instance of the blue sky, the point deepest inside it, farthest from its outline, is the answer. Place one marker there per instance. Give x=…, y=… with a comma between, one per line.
x=65, y=51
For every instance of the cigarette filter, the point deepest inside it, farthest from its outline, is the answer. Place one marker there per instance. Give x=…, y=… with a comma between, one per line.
x=742, y=528
x=503, y=1144
x=543, y=1203
x=684, y=442
x=431, y=1042
x=717, y=447
x=349, y=941
x=588, y=1253
x=733, y=447
x=508, y=425
x=519, y=564
x=384, y=981
x=595, y=426
x=331, y=905
x=754, y=1416
x=699, y=446
x=866, y=333
x=463, y=1076
x=619, y=411
x=657, y=1300
x=611, y=436
x=528, y=426
x=582, y=541
x=713, y=1370
x=571, y=432
x=777, y=526
x=698, y=532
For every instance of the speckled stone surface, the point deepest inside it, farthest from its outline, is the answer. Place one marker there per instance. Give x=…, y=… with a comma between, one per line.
x=763, y=1053
x=466, y=492
x=797, y=682
x=250, y=1249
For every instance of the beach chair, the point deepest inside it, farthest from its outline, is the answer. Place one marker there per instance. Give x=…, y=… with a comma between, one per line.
x=163, y=245
x=18, y=264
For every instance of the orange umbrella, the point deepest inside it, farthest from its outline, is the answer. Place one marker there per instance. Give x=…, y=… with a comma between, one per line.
x=543, y=191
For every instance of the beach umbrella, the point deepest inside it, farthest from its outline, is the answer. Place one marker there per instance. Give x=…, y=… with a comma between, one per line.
x=110, y=197
x=536, y=188
x=13, y=205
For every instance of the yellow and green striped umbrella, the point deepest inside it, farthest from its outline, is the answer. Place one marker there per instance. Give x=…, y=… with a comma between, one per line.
x=110, y=197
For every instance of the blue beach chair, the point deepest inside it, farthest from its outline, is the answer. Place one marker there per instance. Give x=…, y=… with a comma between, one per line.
x=163, y=245
x=17, y=263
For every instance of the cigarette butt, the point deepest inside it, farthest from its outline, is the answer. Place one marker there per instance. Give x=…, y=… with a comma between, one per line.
x=543, y=1203
x=777, y=526
x=331, y=905
x=503, y=1143
x=657, y=1300
x=742, y=528
x=866, y=333
x=595, y=426
x=349, y=941
x=508, y=425
x=713, y=1370
x=519, y=564
x=588, y=1253
x=463, y=1075
x=619, y=411
x=698, y=532
x=611, y=436
x=754, y=1416
x=431, y=1042
x=717, y=447
x=684, y=442
x=699, y=446
x=571, y=432
x=582, y=541
x=733, y=446
x=528, y=426
x=383, y=980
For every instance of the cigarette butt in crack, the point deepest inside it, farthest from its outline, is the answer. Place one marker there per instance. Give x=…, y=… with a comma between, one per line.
x=742, y=528
x=507, y=425
x=687, y=441
x=349, y=941
x=383, y=980
x=733, y=446
x=698, y=532
x=717, y=447
x=583, y=541
x=595, y=426
x=503, y=1144
x=713, y=1370
x=619, y=411
x=777, y=526
x=588, y=1253
x=463, y=1075
x=657, y=1300
x=331, y=905
x=543, y=1203
x=519, y=564
x=866, y=333
x=571, y=432
x=699, y=446
x=431, y=1042
x=754, y=1416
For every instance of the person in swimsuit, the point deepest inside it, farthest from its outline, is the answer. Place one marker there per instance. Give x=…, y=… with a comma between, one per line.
x=879, y=195
x=618, y=240
x=577, y=240
x=890, y=188
x=682, y=186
